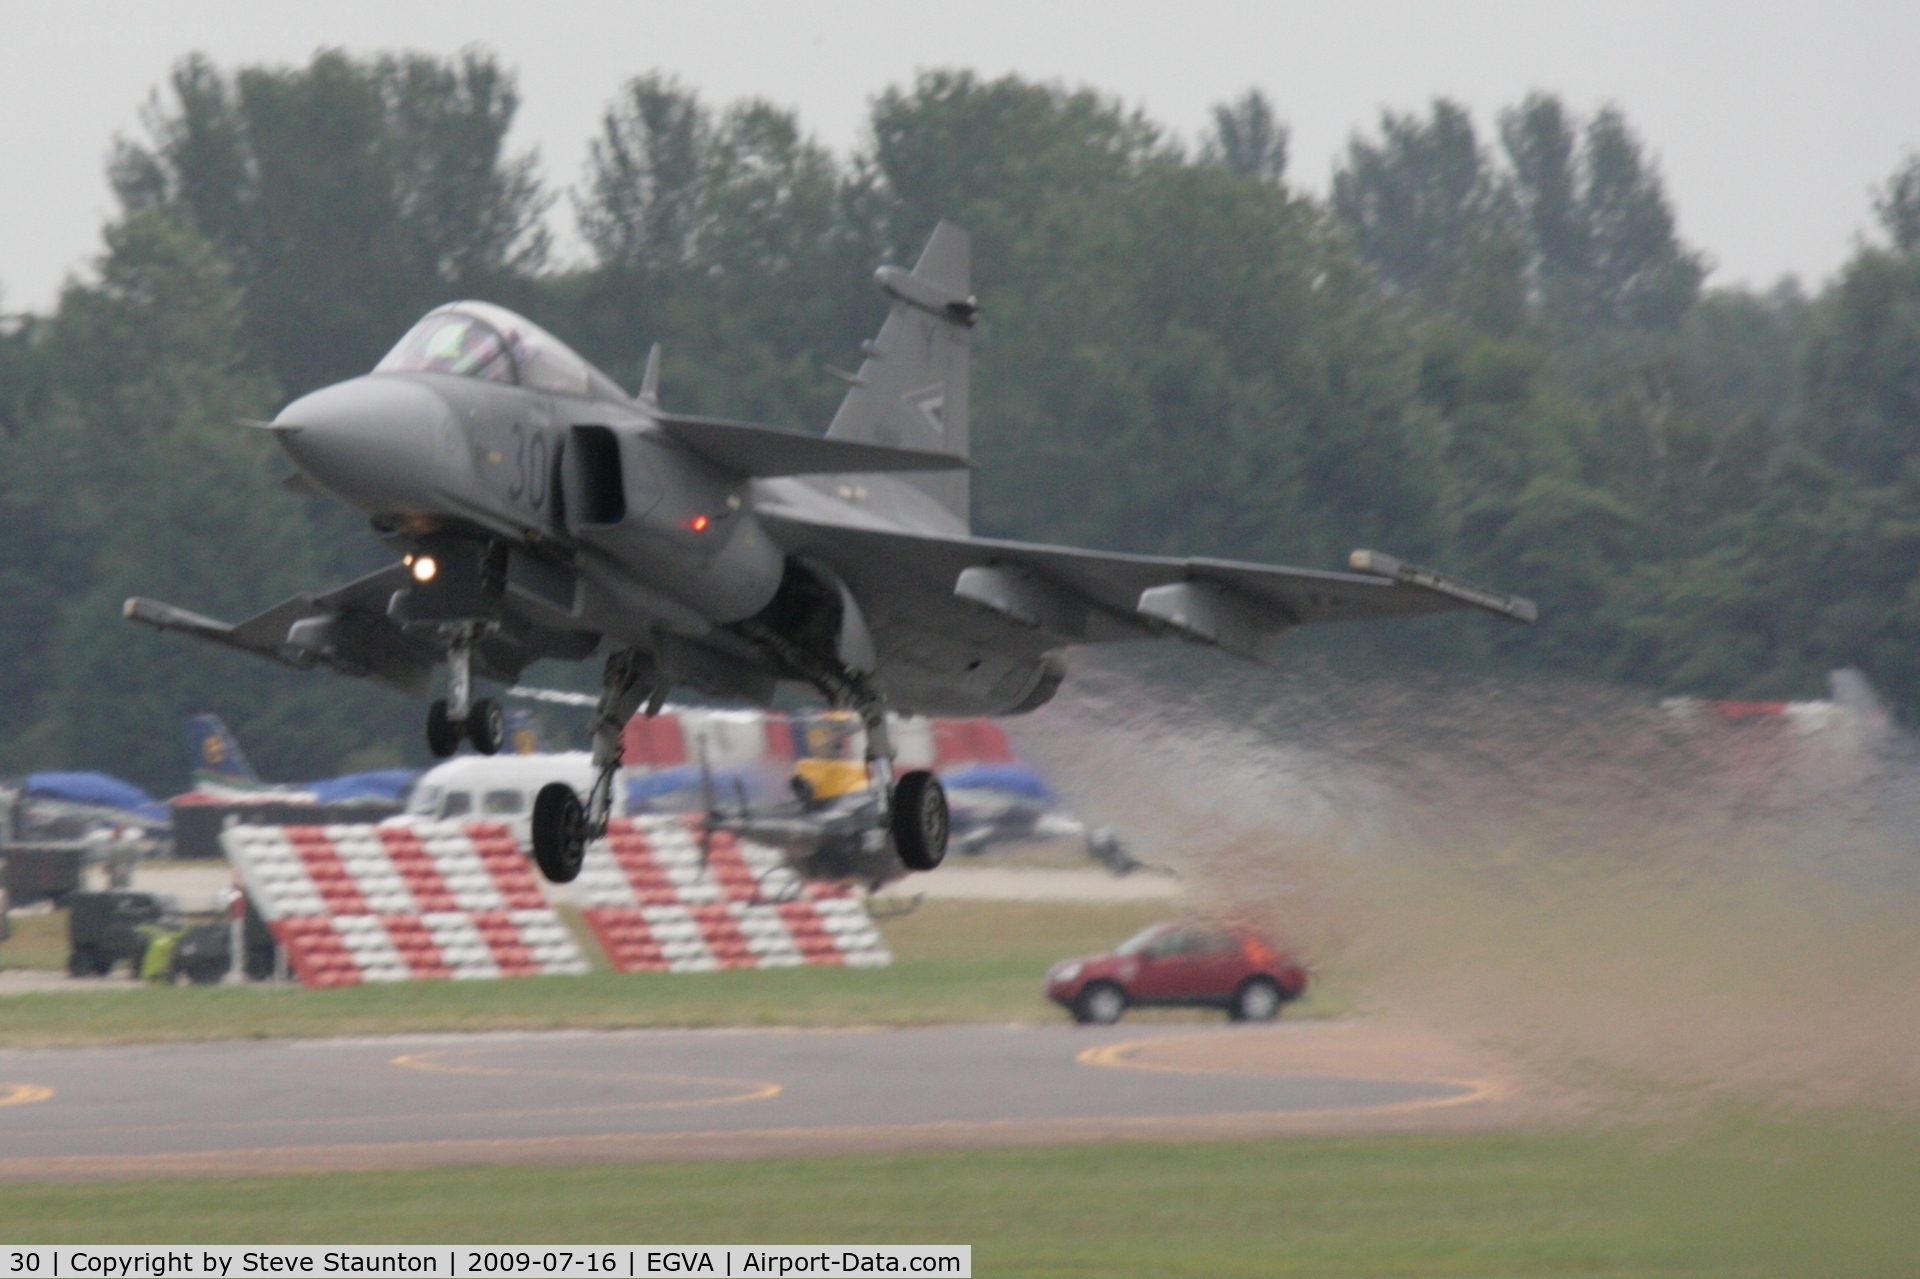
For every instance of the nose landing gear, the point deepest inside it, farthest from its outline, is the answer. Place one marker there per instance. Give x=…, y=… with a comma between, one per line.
x=481, y=722
x=485, y=727
x=443, y=735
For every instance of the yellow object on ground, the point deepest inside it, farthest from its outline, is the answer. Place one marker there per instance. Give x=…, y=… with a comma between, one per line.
x=831, y=778
x=156, y=962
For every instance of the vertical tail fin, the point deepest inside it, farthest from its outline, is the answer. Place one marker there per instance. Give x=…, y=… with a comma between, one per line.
x=912, y=391
x=217, y=757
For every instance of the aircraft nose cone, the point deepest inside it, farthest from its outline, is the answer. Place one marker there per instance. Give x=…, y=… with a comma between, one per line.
x=373, y=442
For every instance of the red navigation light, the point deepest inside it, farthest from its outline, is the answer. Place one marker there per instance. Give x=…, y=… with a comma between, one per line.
x=698, y=523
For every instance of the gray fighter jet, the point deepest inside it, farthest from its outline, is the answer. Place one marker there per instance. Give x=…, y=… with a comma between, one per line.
x=541, y=512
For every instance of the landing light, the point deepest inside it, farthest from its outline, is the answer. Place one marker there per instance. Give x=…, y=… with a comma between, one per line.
x=424, y=567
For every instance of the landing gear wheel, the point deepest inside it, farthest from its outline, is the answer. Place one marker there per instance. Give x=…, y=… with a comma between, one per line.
x=559, y=832
x=487, y=726
x=1257, y=1000
x=920, y=820
x=1100, y=1004
x=443, y=736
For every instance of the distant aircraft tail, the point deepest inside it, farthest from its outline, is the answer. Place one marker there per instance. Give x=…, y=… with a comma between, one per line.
x=217, y=757
x=911, y=391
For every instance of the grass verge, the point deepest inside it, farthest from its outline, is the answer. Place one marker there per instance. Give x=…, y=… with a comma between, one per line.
x=954, y=962
x=1736, y=1194
x=37, y=942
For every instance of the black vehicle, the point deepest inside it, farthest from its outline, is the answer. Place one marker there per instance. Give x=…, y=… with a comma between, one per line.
x=105, y=928
x=204, y=953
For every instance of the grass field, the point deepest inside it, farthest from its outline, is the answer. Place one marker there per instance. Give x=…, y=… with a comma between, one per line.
x=1737, y=1194
x=1731, y=1193
x=38, y=941
x=954, y=962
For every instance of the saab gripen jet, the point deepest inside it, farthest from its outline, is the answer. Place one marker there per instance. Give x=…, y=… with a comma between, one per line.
x=539, y=511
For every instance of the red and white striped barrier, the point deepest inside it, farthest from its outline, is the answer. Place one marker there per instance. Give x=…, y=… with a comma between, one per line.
x=653, y=905
x=737, y=739
x=355, y=904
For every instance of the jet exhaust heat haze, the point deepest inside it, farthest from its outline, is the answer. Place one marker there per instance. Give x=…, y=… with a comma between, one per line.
x=1642, y=905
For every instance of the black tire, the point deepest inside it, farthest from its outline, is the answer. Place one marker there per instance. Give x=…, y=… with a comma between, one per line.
x=487, y=726
x=1101, y=1003
x=83, y=962
x=1257, y=1000
x=920, y=820
x=443, y=735
x=559, y=833
x=204, y=974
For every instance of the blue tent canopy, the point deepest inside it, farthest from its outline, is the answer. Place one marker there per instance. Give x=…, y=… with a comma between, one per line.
x=667, y=781
x=387, y=785
x=684, y=782
x=101, y=790
x=1012, y=779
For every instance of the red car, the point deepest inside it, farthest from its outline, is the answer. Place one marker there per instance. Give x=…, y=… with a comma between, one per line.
x=1179, y=964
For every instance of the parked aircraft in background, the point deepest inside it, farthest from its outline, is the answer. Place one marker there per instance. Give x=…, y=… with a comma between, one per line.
x=221, y=772
x=540, y=512
x=220, y=766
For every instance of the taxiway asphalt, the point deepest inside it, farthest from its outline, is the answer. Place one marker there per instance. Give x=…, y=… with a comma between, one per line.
x=249, y=1107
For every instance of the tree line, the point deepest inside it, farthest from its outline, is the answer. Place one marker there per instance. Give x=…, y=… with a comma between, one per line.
x=1487, y=348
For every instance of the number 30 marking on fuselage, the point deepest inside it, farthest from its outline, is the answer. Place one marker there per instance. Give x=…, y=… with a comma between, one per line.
x=529, y=467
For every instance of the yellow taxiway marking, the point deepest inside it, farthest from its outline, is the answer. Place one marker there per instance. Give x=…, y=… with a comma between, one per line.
x=346, y=1121
x=1120, y=1057
x=747, y=1089
x=743, y=1090
x=23, y=1094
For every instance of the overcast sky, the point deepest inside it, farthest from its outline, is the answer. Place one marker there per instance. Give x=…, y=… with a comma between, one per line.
x=1772, y=122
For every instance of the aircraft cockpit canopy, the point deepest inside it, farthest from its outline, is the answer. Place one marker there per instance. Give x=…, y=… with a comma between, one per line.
x=481, y=340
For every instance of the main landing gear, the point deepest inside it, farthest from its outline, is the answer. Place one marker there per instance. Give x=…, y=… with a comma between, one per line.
x=919, y=820
x=910, y=809
x=562, y=826
x=458, y=715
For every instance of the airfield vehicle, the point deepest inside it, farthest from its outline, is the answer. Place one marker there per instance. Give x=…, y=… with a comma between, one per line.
x=203, y=953
x=106, y=928
x=540, y=512
x=492, y=788
x=1179, y=964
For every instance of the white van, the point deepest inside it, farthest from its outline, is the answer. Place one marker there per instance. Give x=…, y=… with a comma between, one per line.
x=497, y=788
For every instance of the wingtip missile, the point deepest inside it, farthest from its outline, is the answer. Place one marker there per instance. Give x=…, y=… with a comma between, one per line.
x=166, y=617
x=650, y=380
x=1515, y=608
